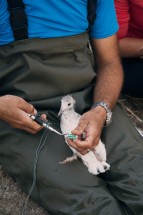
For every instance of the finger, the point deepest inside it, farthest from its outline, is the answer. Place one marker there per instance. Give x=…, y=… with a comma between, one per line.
x=81, y=127
x=32, y=131
x=25, y=128
x=27, y=107
x=85, y=144
x=29, y=123
x=96, y=142
x=34, y=125
x=85, y=151
x=71, y=143
x=77, y=144
x=44, y=116
x=93, y=137
x=80, y=150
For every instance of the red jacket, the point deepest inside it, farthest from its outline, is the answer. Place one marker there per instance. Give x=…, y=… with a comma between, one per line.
x=130, y=18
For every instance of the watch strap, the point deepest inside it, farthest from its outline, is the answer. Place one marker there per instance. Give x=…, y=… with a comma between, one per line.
x=108, y=111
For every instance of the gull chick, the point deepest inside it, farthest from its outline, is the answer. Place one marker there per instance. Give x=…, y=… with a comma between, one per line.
x=95, y=159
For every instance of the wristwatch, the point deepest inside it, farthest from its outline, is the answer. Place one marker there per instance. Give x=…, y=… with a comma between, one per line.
x=108, y=111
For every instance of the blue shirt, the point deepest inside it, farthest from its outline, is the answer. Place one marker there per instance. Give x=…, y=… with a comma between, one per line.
x=50, y=18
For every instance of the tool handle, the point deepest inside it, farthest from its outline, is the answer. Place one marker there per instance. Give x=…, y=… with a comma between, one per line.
x=39, y=120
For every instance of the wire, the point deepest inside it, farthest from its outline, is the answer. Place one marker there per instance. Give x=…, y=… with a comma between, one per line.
x=38, y=150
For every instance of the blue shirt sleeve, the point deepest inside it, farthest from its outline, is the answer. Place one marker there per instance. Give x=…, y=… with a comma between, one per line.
x=105, y=24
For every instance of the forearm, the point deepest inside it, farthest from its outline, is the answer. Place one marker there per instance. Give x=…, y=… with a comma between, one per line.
x=110, y=73
x=131, y=47
x=109, y=83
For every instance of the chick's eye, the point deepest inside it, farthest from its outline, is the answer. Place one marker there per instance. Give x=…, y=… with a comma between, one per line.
x=69, y=104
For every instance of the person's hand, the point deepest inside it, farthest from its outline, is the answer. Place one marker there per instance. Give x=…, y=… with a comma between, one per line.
x=14, y=110
x=91, y=123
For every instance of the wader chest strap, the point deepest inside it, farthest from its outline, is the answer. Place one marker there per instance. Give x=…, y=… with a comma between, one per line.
x=18, y=19
x=91, y=12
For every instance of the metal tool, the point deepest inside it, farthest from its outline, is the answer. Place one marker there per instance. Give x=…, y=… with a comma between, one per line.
x=37, y=118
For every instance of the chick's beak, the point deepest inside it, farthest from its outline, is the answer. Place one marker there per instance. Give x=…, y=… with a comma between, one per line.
x=60, y=112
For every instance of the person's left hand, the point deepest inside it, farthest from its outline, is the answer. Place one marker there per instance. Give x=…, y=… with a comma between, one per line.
x=91, y=123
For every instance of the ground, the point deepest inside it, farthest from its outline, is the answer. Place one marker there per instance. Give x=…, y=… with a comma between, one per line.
x=11, y=196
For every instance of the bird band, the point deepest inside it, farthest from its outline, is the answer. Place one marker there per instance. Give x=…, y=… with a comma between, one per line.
x=72, y=136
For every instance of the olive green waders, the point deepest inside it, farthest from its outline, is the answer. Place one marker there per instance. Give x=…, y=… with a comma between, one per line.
x=42, y=71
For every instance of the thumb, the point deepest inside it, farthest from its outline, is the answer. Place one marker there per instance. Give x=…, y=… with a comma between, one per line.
x=81, y=127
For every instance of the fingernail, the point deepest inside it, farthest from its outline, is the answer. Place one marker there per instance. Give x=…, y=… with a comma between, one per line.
x=74, y=140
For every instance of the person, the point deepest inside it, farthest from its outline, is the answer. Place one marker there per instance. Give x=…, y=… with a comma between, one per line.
x=130, y=35
x=35, y=73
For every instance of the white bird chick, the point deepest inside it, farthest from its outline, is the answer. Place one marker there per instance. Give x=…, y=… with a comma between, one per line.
x=95, y=159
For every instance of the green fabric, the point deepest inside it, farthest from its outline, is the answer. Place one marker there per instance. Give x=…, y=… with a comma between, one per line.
x=42, y=71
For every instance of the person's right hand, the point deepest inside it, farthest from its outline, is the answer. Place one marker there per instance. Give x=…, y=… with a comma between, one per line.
x=14, y=110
